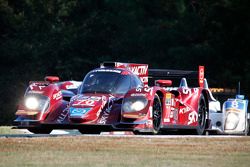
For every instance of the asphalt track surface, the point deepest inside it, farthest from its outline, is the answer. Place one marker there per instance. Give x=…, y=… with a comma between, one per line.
x=72, y=133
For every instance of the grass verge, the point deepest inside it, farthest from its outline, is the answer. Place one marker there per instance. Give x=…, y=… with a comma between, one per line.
x=102, y=151
x=9, y=130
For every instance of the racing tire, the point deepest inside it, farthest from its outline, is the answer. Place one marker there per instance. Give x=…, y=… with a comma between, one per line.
x=137, y=132
x=247, y=132
x=40, y=130
x=157, y=114
x=202, y=115
x=84, y=131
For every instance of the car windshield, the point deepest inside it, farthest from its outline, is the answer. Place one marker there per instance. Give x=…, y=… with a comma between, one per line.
x=106, y=82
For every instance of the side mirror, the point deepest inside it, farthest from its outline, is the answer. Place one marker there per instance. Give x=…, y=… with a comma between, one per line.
x=67, y=95
x=163, y=83
x=52, y=79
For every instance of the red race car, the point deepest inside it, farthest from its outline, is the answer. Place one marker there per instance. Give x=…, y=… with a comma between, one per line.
x=117, y=96
x=44, y=105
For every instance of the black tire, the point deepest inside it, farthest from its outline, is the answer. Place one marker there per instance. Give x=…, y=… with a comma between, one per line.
x=247, y=132
x=40, y=130
x=202, y=113
x=157, y=114
x=84, y=131
x=137, y=132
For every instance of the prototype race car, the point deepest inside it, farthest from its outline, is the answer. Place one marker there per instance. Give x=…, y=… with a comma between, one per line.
x=43, y=107
x=233, y=117
x=117, y=96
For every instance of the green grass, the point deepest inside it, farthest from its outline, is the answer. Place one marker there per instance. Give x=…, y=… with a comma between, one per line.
x=125, y=152
x=9, y=130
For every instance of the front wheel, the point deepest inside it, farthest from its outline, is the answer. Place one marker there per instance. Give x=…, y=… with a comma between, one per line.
x=157, y=114
x=202, y=113
x=40, y=130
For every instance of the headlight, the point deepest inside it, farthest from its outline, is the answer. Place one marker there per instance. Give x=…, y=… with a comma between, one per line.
x=31, y=103
x=134, y=104
x=232, y=121
x=36, y=102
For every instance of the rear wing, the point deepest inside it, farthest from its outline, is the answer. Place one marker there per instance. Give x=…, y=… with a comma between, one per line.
x=144, y=73
x=170, y=73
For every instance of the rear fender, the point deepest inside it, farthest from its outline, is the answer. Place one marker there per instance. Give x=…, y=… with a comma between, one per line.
x=190, y=96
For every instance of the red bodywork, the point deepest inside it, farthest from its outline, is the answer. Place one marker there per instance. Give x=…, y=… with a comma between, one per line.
x=104, y=111
x=179, y=108
x=55, y=112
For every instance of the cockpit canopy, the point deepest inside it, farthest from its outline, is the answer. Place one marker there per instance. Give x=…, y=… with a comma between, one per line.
x=112, y=81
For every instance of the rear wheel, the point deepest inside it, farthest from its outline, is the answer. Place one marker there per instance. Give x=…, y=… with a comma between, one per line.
x=202, y=112
x=40, y=130
x=157, y=114
x=247, y=130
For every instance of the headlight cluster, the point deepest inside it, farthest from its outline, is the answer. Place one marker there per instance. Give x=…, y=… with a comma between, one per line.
x=134, y=104
x=232, y=121
x=36, y=102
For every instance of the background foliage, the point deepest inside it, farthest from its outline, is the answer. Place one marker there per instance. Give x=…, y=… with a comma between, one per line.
x=70, y=37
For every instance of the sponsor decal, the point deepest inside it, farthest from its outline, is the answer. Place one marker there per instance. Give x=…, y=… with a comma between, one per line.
x=236, y=106
x=168, y=98
x=62, y=116
x=138, y=94
x=192, y=117
x=145, y=89
x=188, y=91
x=139, y=70
x=201, y=76
x=168, y=95
x=57, y=95
x=170, y=88
x=106, y=112
x=37, y=85
x=78, y=112
x=168, y=101
x=104, y=101
x=184, y=110
x=35, y=91
x=86, y=100
x=166, y=120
